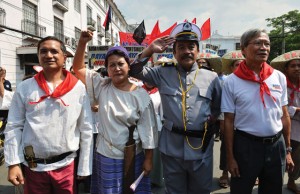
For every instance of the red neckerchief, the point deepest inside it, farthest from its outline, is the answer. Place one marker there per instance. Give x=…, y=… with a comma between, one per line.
x=63, y=88
x=293, y=88
x=245, y=73
x=151, y=91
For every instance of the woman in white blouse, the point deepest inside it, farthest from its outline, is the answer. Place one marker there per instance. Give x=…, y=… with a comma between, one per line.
x=122, y=104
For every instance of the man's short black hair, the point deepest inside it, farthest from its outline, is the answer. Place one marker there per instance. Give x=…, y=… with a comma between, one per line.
x=62, y=44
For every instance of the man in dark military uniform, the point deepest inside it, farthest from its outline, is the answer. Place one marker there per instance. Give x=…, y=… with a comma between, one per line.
x=191, y=102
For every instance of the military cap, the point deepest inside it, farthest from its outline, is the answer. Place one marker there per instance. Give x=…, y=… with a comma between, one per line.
x=186, y=31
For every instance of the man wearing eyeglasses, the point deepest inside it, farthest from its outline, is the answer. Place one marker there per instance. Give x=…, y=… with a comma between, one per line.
x=257, y=123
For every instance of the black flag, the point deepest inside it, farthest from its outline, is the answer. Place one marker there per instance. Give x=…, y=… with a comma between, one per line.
x=139, y=33
x=107, y=20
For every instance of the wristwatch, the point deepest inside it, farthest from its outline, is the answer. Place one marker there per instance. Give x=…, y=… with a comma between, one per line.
x=289, y=150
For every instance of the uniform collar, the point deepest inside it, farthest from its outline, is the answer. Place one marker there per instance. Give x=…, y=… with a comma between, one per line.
x=194, y=68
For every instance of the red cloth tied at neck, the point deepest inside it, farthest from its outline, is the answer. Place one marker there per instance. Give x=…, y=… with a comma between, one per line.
x=150, y=91
x=68, y=83
x=245, y=73
x=293, y=88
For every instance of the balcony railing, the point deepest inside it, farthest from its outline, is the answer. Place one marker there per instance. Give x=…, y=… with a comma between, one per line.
x=33, y=28
x=60, y=36
x=100, y=31
x=61, y=4
x=91, y=24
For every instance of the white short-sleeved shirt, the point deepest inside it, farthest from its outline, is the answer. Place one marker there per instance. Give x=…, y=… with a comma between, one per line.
x=242, y=98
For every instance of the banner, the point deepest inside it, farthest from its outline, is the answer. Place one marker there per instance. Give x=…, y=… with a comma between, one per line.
x=168, y=53
x=96, y=54
x=126, y=39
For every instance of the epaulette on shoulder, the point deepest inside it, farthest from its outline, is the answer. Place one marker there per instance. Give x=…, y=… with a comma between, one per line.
x=168, y=64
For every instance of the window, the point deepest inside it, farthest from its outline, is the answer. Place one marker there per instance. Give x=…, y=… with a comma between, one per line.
x=77, y=33
x=237, y=46
x=30, y=18
x=77, y=6
x=58, y=29
x=105, y=4
x=117, y=37
x=98, y=23
x=89, y=14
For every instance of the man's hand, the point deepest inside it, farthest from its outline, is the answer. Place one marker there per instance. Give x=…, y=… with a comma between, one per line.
x=2, y=74
x=15, y=175
x=233, y=168
x=86, y=36
x=289, y=163
x=159, y=45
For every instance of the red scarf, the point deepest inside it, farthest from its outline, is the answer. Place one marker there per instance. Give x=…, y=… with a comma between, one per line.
x=245, y=73
x=63, y=88
x=150, y=91
x=293, y=88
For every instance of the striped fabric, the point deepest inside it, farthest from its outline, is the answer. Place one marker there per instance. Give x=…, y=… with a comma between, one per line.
x=107, y=175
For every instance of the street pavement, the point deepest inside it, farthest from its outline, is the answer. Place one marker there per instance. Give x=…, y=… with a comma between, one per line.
x=6, y=188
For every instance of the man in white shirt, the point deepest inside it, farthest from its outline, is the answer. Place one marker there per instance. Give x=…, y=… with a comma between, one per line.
x=49, y=119
x=257, y=123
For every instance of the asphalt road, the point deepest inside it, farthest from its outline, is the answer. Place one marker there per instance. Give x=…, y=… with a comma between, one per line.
x=7, y=188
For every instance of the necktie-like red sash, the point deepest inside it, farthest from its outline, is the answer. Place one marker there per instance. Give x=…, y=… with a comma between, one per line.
x=293, y=88
x=63, y=88
x=151, y=91
x=245, y=73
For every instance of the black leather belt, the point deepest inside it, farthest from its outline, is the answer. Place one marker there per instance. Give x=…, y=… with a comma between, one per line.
x=189, y=133
x=49, y=160
x=264, y=140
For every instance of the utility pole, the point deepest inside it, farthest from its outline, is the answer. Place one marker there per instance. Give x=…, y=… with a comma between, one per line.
x=283, y=38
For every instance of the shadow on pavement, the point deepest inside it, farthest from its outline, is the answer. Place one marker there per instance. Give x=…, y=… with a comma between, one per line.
x=5, y=189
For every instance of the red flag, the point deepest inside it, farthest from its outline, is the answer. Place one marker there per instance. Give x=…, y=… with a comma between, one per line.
x=194, y=21
x=205, y=30
x=168, y=31
x=107, y=19
x=155, y=31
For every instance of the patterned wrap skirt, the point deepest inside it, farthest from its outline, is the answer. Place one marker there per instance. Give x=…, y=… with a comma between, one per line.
x=107, y=176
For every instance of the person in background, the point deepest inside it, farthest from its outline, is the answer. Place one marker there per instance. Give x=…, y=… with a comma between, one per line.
x=289, y=64
x=5, y=102
x=6, y=83
x=49, y=119
x=230, y=62
x=123, y=106
x=157, y=171
x=191, y=100
x=204, y=63
x=257, y=123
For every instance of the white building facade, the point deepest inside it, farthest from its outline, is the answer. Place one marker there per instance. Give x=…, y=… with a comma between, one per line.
x=219, y=44
x=24, y=22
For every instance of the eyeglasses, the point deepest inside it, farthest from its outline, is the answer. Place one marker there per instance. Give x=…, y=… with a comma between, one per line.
x=261, y=43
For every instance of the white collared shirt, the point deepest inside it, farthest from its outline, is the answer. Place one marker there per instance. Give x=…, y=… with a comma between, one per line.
x=49, y=127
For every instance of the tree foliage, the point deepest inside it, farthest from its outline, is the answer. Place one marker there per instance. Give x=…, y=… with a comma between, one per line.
x=291, y=23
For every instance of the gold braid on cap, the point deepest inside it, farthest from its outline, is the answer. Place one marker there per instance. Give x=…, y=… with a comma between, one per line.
x=189, y=33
